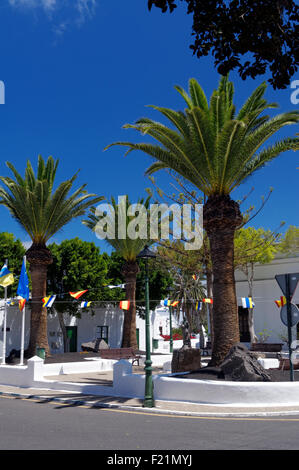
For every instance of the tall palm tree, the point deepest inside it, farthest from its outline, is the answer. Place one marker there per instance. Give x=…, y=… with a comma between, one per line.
x=216, y=149
x=42, y=212
x=128, y=248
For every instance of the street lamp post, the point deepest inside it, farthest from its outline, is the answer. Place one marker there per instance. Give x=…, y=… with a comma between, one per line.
x=170, y=324
x=170, y=330
x=149, y=401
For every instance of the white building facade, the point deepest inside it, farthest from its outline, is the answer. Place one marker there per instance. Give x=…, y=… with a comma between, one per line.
x=105, y=323
x=265, y=291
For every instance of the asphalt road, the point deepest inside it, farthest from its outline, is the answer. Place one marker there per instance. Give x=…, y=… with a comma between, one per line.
x=35, y=425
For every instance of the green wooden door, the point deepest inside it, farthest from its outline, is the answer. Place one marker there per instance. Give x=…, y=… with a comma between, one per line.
x=71, y=332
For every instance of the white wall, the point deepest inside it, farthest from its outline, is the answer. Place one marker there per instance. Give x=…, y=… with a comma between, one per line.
x=86, y=331
x=160, y=318
x=13, y=321
x=265, y=292
x=87, y=325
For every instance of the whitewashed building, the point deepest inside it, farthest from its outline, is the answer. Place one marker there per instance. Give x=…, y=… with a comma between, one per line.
x=106, y=323
x=265, y=291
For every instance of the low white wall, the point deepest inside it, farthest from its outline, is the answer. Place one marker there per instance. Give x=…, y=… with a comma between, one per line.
x=22, y=376
x=158, y=360
x=206, y=391
x=163, y=346
x=78, y=367
x=268, y=363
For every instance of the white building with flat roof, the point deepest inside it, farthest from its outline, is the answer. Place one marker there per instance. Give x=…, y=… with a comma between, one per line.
x=265, y=291
x=105, y=323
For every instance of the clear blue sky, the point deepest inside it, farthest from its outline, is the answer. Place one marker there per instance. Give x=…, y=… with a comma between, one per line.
x=76, y=70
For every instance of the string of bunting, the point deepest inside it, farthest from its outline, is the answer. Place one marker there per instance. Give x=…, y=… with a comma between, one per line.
x=7, y=278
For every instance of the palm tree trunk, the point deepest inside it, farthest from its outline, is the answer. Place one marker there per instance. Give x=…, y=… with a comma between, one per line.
x=221, y=217
x=130, y=271
x=39, y=258
x=210, y=296
x=38, y=323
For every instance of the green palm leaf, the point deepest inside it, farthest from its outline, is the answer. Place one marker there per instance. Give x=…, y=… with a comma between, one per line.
x=209, y=144
x=34, y=204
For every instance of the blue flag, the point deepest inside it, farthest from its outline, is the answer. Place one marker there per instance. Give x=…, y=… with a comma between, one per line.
x=23, y=287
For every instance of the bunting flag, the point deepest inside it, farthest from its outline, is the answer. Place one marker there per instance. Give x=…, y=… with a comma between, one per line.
x=48, y=301
x=6, y=277
x=208, y=301
x=121, y=286
x=175, y=303
x=23, y=286
x=247, y=302
x=167, y=303
x=194, y=277
x=198, y=306
x=124, y=304
x=9, y=303
x=283, y=300
x=78, y=294
x=85, y=304
x=22, y=304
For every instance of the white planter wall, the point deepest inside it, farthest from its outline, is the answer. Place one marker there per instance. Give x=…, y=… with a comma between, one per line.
x=126, y=384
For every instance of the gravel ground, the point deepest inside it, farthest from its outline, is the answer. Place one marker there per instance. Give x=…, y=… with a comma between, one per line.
x=65, y=357
x=213, y=373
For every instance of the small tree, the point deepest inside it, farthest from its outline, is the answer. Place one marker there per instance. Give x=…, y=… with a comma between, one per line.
x=290, y=242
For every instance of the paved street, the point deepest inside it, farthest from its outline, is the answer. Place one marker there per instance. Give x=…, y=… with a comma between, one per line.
x=36, y=424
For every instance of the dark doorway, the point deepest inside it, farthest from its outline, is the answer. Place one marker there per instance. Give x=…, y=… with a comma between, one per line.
x=71, y=332
x=243, y=325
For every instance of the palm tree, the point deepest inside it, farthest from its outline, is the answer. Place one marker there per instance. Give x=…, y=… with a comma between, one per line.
x=42, y=212
x=216, y=149
x=128, y=248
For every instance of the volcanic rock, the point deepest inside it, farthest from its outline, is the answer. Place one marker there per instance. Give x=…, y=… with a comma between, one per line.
x=185, y=360
x=242, y=366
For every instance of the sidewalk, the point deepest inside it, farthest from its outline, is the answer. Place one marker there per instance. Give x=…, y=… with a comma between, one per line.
x=135, y=405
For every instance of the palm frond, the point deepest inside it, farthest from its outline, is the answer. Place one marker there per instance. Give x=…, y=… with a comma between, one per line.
x=36, y=207
x=212, y=146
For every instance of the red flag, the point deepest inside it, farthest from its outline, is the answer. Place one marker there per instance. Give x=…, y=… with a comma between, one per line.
x=124, y=304
x=21, y=304
x=78, y=294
